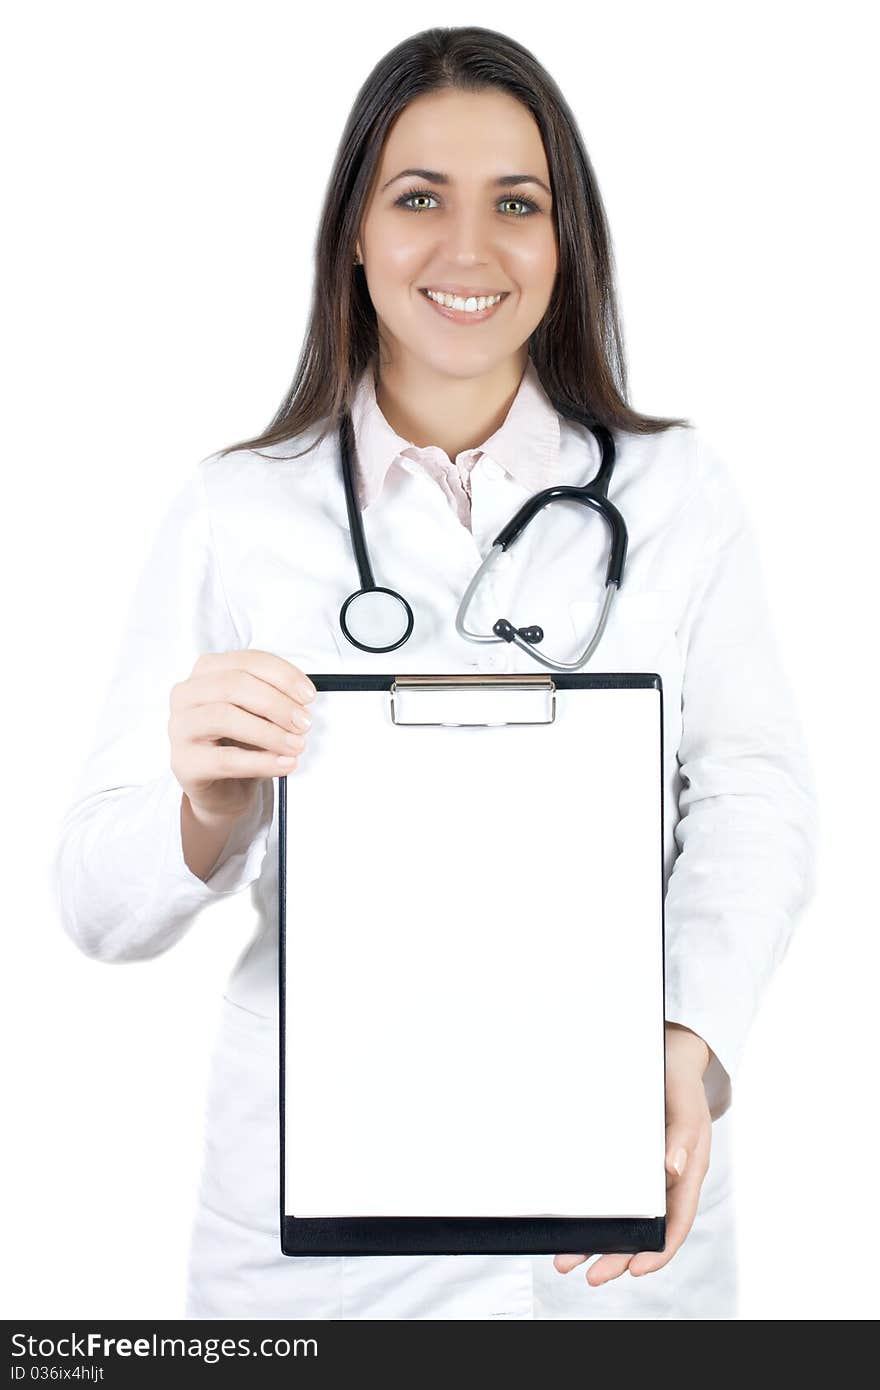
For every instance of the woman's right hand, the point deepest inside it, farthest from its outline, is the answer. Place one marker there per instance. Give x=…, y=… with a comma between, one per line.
x=231, y=721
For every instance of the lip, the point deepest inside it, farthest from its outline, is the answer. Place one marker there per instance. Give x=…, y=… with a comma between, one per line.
x=462, y=315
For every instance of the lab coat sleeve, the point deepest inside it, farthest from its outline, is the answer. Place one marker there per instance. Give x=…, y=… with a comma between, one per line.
x=748, y=825
x=121, y=885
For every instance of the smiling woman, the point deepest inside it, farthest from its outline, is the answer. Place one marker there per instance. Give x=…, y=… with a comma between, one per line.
x=461, y=174
x=464, y=350
x=462, y=229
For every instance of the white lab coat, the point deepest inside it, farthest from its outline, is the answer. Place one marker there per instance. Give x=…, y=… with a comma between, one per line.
x=254, y=552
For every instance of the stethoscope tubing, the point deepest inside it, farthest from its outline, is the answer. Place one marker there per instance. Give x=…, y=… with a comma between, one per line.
x=593, y=495
x=355, y=520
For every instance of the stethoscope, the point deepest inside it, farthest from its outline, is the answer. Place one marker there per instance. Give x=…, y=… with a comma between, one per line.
x=377, y=619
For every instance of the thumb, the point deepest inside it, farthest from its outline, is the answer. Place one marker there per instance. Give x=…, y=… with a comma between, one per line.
x=676, y=1155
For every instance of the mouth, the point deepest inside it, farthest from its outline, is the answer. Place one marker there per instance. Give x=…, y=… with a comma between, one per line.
x=465, y=309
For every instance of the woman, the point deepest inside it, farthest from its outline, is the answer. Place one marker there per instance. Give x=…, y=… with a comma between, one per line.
x=460, y=172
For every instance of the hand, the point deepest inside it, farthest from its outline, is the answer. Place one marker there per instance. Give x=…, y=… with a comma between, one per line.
x=230, y=721
x=688, y=1143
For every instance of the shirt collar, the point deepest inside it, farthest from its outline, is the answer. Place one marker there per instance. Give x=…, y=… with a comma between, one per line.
x=526, y=444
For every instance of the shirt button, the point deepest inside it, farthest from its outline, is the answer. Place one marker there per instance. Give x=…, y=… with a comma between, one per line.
x=491, y=469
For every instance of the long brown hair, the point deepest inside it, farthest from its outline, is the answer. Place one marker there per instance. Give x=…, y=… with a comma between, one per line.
x=577, y=348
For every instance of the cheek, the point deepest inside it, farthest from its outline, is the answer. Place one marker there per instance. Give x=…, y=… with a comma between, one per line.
x=401, y=257
x=394, y=270
x=395, y=250
x=537, y=261
x=535, y=273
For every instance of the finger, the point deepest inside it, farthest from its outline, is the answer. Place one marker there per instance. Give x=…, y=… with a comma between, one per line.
x=266, y=666
x=682, y=1197
x=209, y=762
x=566, y=1263
x=676, y=1159
x=207, y=723
x=686, y=1139
x=608, y=1267
x=232, y=685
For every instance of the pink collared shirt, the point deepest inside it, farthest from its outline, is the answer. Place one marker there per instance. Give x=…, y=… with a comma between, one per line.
x=526, y=446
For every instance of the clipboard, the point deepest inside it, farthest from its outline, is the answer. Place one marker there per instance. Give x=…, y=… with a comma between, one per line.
x=471, y=977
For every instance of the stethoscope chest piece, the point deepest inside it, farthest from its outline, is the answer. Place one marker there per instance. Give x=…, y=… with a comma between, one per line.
x=376, y=619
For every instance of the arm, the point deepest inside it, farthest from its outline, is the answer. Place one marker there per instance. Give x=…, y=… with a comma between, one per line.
x=204, y=838
x=122, y=884
x=747, y=833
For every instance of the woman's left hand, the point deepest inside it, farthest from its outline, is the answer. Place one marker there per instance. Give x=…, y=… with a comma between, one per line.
x=688, y=1143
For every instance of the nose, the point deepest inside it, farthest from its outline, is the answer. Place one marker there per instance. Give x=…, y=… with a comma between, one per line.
x=469, y=236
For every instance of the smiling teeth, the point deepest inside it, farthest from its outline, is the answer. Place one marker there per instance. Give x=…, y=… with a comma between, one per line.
x=471, y=305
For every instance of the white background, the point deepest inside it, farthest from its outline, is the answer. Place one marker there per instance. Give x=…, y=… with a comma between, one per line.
x=164, y=169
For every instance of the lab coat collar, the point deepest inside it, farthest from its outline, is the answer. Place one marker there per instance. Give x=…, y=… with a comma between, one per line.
x=526, y=444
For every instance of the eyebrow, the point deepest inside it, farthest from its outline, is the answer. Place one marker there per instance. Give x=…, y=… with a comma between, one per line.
x=432, y=176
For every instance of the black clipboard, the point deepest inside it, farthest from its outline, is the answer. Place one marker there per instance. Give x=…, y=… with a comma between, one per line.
x=413, y=700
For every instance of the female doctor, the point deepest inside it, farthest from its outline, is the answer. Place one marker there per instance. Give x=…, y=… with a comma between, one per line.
x=460, y=177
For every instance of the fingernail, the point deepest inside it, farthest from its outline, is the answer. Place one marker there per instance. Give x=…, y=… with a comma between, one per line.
x=307, y=692
x=679, y=1159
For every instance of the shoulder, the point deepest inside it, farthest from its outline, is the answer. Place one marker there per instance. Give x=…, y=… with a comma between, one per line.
x=682, y=467
x=246, y=473
x=656, y=479
x=667, y=458
x=718, y=484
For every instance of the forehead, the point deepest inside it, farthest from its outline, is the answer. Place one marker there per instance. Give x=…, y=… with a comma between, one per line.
x=467, y=135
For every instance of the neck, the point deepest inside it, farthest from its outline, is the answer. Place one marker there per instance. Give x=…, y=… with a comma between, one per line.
x=456, y=413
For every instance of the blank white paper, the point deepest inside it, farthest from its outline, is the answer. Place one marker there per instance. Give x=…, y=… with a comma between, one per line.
x=474, y=963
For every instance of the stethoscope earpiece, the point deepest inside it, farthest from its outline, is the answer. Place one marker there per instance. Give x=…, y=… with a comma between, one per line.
x=506, y=630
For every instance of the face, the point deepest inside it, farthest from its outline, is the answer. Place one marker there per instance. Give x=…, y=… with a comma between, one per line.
x=466, y=233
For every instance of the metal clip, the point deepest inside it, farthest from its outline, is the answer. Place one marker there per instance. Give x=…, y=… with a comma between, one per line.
x=433, y=692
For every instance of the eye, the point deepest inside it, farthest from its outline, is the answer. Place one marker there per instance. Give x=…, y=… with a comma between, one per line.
x=406, y=198
x=524, y=202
